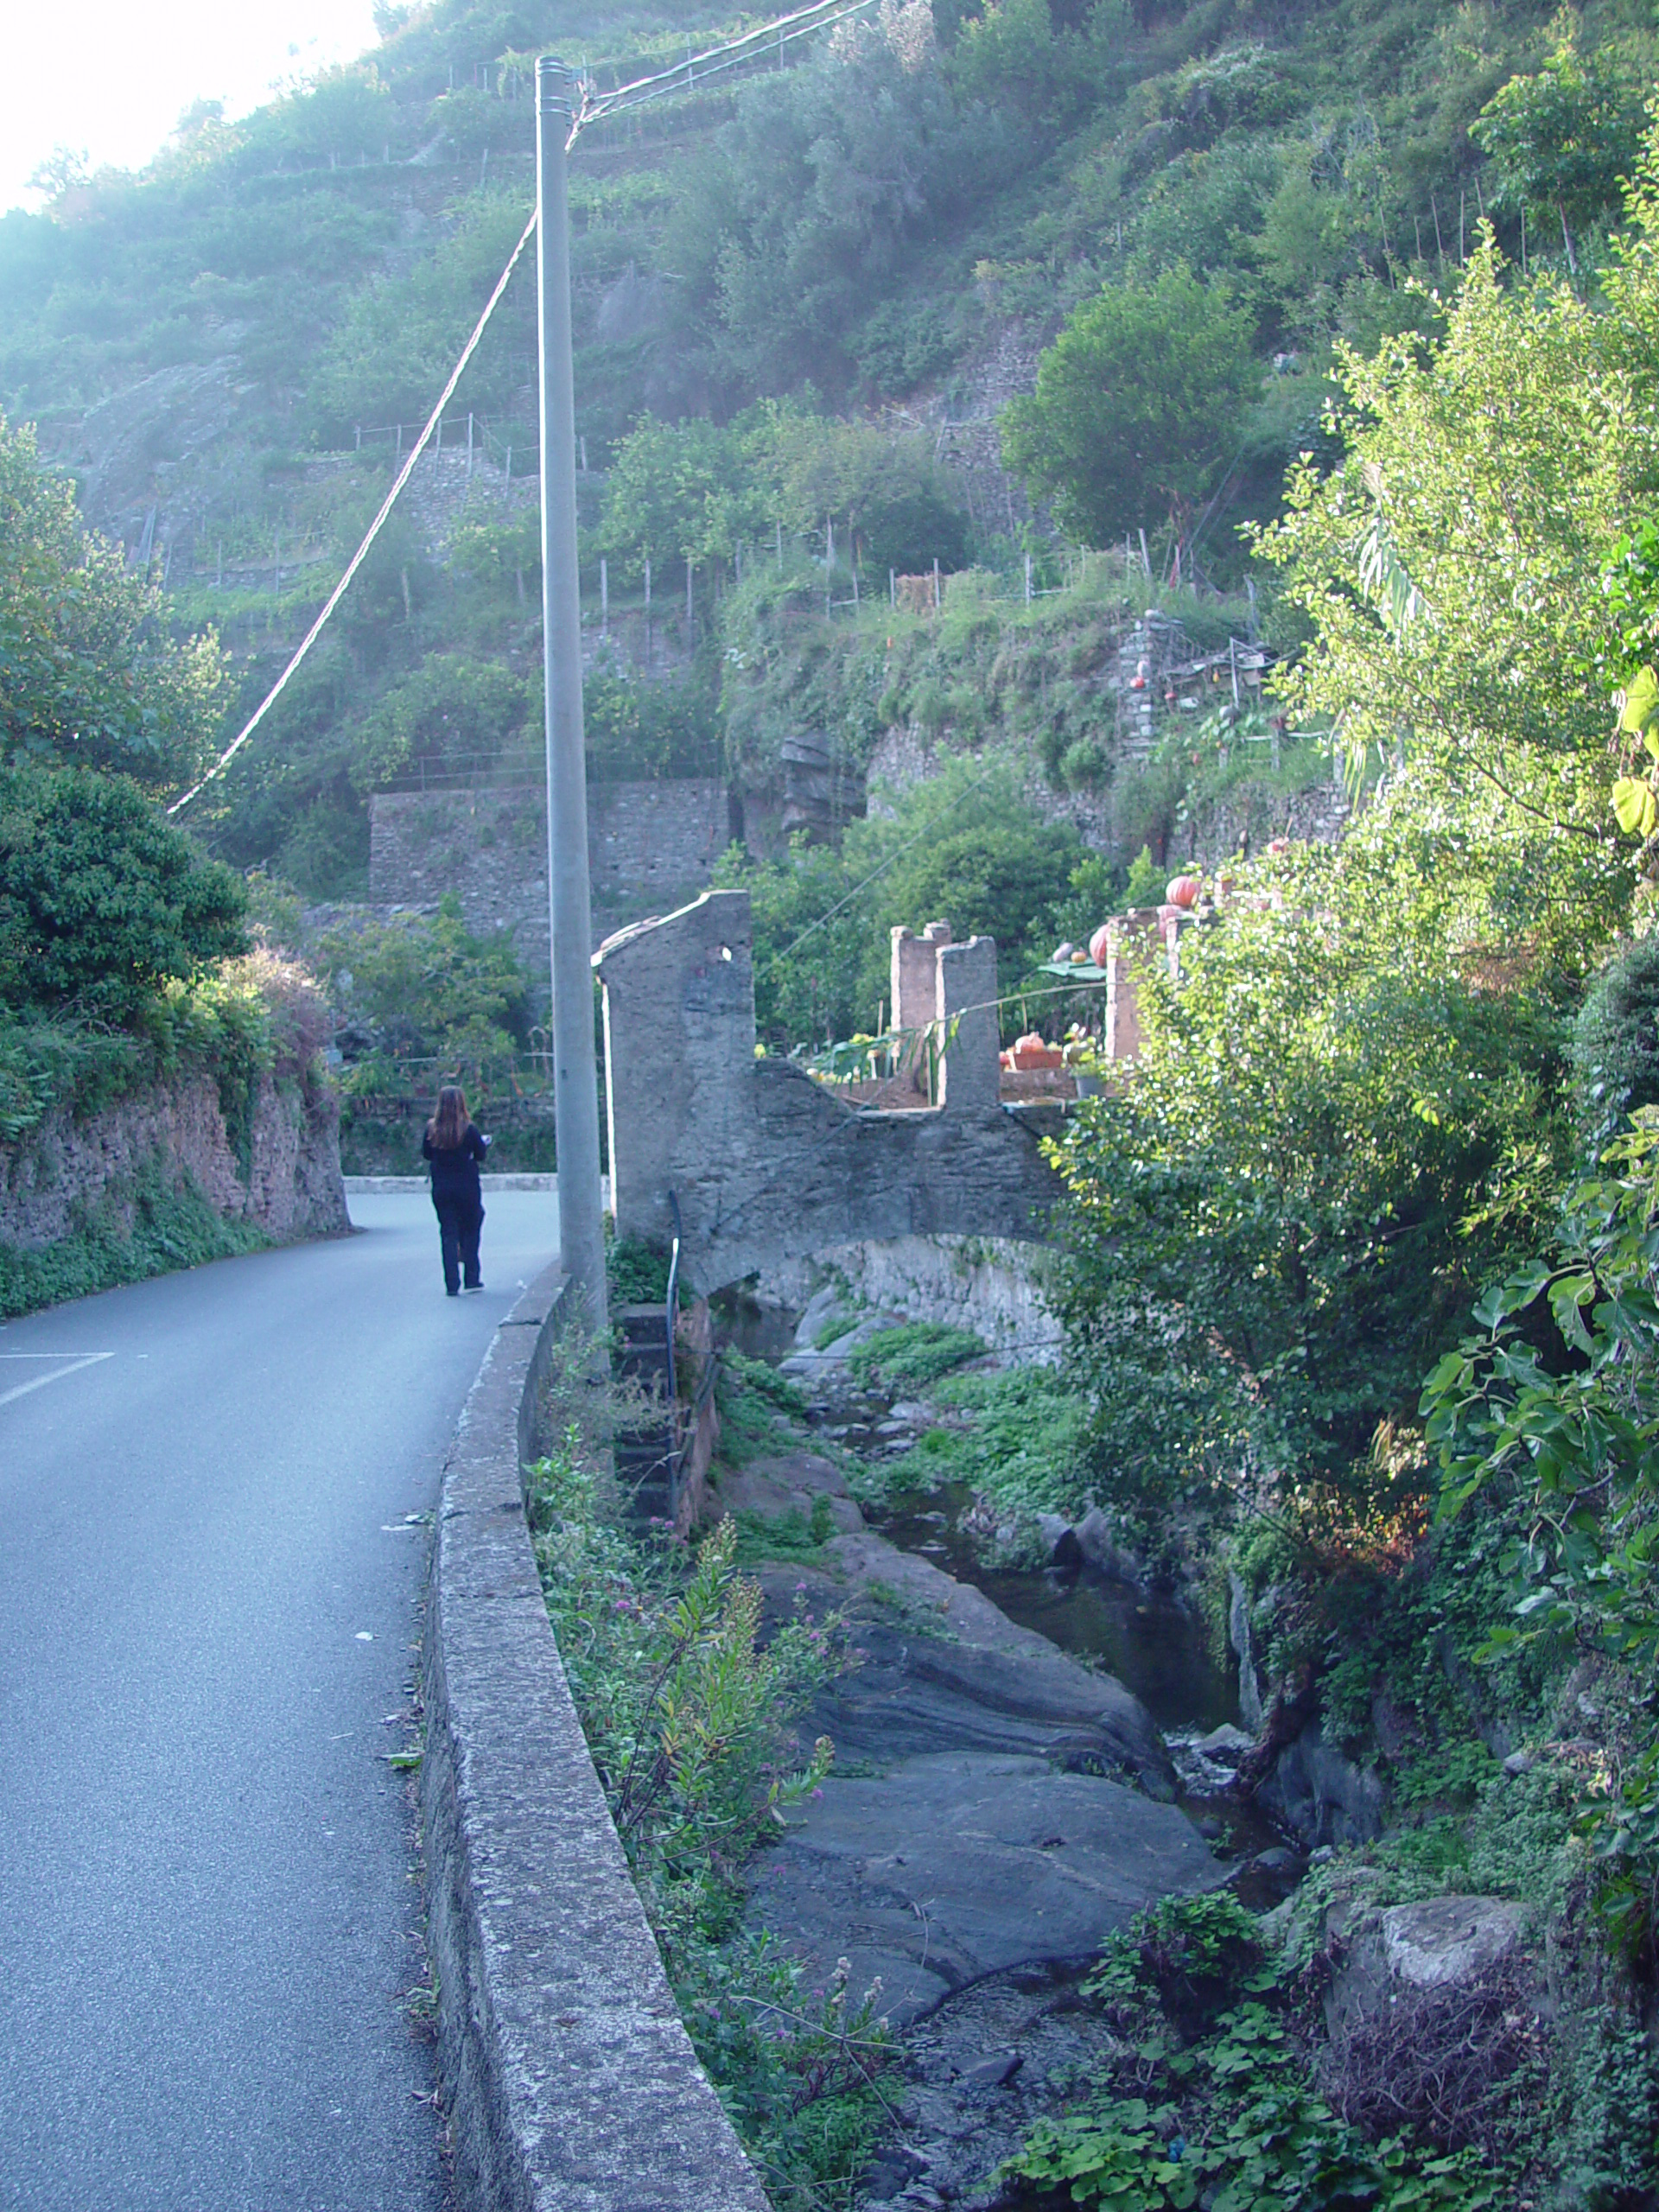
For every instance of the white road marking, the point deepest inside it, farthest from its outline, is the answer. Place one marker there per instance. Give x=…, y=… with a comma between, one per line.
x=69, y=1363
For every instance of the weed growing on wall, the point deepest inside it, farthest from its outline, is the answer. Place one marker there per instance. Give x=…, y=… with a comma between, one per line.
x=912, y=1356
x=688, y=1714
x=146, y=1227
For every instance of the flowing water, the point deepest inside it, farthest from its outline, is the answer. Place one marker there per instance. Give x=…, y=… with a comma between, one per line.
x=1154, y=1641
x=1161, y=1649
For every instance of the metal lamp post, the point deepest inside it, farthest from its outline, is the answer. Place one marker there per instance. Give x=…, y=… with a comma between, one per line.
x=575, y=1089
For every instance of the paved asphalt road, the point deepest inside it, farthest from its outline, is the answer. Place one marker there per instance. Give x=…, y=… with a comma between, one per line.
x=208, y=1597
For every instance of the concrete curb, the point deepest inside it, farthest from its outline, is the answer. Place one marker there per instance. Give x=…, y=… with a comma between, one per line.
x=421, y=1182
x=570, y=2080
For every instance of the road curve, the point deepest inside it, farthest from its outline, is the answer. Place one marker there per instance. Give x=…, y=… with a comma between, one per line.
x=208, y=1584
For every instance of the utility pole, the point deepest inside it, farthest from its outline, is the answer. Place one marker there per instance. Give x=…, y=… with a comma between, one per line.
x=575, y=1086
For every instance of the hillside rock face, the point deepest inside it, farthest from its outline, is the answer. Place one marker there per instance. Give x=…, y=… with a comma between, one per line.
x=288, y=1184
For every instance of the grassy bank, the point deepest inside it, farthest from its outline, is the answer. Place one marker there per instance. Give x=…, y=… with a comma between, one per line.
x=688, y=1714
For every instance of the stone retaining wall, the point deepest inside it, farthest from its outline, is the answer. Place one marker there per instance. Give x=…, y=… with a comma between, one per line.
x=650, y=845
x=291, y=1186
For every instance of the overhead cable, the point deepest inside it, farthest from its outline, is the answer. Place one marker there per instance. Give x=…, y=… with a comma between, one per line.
x=752, y=45
x=361, y=554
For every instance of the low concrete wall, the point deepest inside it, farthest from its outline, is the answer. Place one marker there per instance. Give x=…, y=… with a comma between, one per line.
x=570, y=2080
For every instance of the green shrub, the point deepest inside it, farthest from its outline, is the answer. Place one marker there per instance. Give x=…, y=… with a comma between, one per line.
x=102, y=902
x=1021, y=1445
x=912, y=1355
x=145, y=1226
x=426, y=988
x=1218, y=2107
x=1615, y=1049
x=764, y=1382
x=636, y=1273
x=689, y=1719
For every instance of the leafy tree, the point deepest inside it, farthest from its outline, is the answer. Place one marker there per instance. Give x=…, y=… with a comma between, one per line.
x=452, y=709
x=1564, y=138
x=1574, y=1437
x=1616, y=1043
x=800, y=221
x=388, y=359
x=102, y=903
x=1451, y=567
x=900, y=510
x=1331, y=1132
x=966, y=846
x=89, y=673
x=638, y=730
x=809, y=939
x=680, y=492
x=1136, y=406
x=427, y=988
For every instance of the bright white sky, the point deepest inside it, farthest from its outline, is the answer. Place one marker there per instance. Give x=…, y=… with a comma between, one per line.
x=111, y=78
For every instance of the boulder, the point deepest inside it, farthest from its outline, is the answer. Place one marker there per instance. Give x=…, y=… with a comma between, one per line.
x=1324, y=1797
x=953, y=1866
x=1439, y=1943
x=946, y=1668
x=1450, y=1939
x=1225, y=1745
x=912, y=1694
x=788, y=1481
x=1097, y=1536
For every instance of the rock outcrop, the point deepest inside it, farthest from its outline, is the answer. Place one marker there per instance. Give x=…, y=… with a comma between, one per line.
x=957, y=1864
x=994, y=1803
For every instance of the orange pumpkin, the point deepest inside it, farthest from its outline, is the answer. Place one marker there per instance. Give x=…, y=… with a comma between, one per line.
x=1101, y=944
x=1183, y=891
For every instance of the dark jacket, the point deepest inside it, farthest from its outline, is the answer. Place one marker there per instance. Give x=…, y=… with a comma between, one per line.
x=454, y=1167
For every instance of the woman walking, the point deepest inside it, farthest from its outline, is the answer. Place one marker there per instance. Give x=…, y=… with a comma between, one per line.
x=456, y=1147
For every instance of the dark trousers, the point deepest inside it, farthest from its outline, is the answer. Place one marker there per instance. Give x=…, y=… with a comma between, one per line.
x=458, y=1223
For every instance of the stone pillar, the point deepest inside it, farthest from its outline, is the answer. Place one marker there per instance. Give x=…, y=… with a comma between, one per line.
x=969, y=1075
x=1135, y=936
x=679, y=1054
x=915, y=976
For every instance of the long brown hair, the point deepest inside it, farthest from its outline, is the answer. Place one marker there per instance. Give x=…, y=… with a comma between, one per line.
x=449, y=1126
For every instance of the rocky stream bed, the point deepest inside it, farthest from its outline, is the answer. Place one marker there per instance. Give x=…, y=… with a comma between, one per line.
x=1023, y=1760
